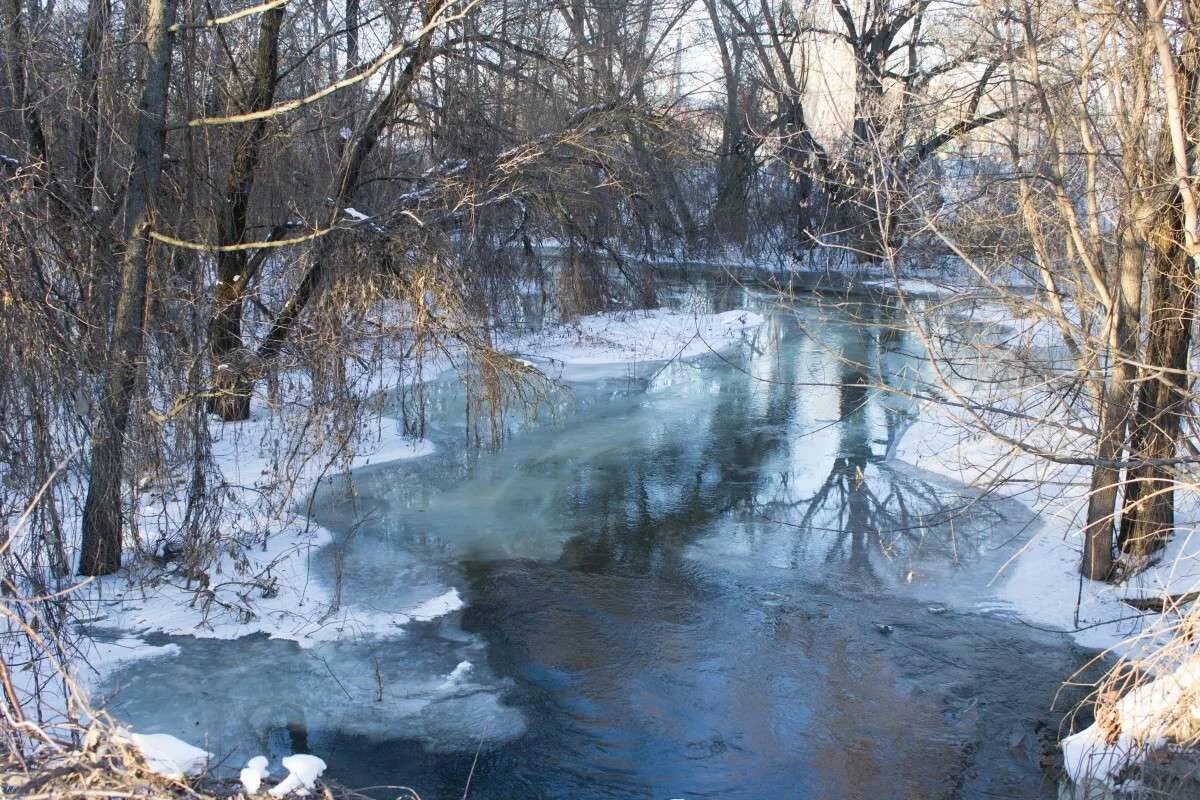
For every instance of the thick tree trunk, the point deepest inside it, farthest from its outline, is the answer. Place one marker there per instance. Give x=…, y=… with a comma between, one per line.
x=100, y=552
x=17, y=50
x=735, y=171
x=230, y=398
x=1118, y=407
x=1164, y=396
x=1149, y=508
x=735, y=162
x=805, y=159
x=862, y=190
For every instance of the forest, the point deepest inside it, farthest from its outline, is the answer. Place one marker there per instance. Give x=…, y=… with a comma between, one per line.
x=600, y=398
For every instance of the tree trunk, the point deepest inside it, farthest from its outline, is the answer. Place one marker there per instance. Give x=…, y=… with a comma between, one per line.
x=230, y=398
x=735, y=163
x=17, y=50
x=1164, y=395
x=89, y=92
x=735, y=171
x=1117, y=408
x=100, y=552
x=1149, y=509
x=804, y=159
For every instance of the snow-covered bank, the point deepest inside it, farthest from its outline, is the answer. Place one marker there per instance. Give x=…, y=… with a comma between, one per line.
x=1145, y=719
x=268, y=589
x=1041, y=585
x=635, y=336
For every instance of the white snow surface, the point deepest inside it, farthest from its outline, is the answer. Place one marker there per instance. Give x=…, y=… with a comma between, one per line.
x=253, y=773
x=1041, y=582
x=1144, y=719
x=250, y=780
x=436, y=607
x=916, y=287
x=458, y=675
x=288, y=603
x=1041, y=585
x=168, y=756
x=637, y=336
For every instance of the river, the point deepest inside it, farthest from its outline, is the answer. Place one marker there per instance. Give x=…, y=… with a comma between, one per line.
x=700, y=579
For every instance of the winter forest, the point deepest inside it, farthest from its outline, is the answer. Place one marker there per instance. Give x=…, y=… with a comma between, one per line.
x=579, y=399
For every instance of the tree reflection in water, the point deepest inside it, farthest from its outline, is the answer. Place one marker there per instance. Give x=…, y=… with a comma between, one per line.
x=879, y=518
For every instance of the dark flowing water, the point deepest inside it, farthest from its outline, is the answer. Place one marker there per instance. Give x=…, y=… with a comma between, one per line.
x=697, y=580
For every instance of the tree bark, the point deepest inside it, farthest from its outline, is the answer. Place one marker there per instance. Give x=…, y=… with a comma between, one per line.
x=230, y=399
x=1164, y=397
x=735, y=162
x=100, y=552
x=1149, y=508
x=1117, y=408
x=89, y=92
x=17, y=47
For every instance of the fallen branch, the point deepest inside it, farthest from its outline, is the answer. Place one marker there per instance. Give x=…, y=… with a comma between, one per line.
x=1160, y=605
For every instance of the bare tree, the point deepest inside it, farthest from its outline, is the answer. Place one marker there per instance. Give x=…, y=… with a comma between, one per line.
x=100, y=550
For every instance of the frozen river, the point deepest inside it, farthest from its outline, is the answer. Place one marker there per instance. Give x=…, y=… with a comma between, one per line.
x=703, y=579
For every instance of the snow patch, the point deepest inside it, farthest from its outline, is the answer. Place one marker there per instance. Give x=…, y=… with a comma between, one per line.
x=1145, y=719
x=914, y=287
x=639, y=336
x=303, y=771
x=436, y=607
x=280, y=596
x=168, y=756
x=253, y=773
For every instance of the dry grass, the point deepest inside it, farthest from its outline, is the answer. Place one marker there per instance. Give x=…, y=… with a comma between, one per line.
x=105, y=765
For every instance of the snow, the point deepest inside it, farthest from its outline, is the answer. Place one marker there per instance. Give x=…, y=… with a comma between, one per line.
x=638, y=336
x=303, y=771
x=284, y=602
x=436, y=607
x=458, y=675
x=1088, y=758
x=253, y=773
x=1041, y=585
x=168, y=756
x=911, y=286
x=275, y=591
x=354, y=213
x=1144, y=719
